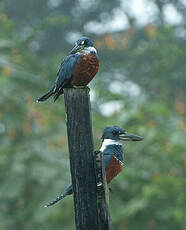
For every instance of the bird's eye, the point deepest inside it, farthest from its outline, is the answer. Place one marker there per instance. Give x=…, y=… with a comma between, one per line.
x=82, y=42
x=114, y=132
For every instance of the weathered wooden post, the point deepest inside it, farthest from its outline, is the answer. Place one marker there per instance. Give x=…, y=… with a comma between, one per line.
x=81, y=150
x=82, y=160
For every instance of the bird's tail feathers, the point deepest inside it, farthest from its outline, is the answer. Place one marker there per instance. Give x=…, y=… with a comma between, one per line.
x=56, y=200
x=58, y=93
x=47, y=95
x=68, y=191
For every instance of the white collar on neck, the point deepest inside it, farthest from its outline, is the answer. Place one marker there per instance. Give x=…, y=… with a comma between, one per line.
x=107, y=142
x=88, y=50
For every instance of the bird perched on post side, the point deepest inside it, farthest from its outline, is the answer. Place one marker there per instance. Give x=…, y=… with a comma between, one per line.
x=77, y=69
x=112, y=155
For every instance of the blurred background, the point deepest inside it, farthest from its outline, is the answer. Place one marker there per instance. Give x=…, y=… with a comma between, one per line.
x=141, y=86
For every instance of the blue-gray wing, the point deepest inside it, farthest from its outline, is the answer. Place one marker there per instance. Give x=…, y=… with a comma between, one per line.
x=66, y=71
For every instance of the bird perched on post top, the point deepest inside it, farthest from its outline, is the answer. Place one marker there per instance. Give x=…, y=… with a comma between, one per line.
x=77, y=69
x=112, y=155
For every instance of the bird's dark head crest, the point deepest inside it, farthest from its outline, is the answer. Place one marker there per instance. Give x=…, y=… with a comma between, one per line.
x=84, y=41
x=112, y=132
x=81, y=44
x=116, y=133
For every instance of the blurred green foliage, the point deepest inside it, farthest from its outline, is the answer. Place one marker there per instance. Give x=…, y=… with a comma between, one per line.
x=142, y=82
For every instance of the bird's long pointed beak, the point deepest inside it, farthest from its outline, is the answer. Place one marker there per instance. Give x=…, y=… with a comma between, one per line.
x=130, y=137
x=75, y=49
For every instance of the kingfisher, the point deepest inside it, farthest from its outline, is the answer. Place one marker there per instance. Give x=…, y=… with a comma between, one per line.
x=113, y=155
x=77, y=69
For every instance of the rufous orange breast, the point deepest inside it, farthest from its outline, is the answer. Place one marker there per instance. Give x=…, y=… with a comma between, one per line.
x=113, y=169
x=85, y=70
